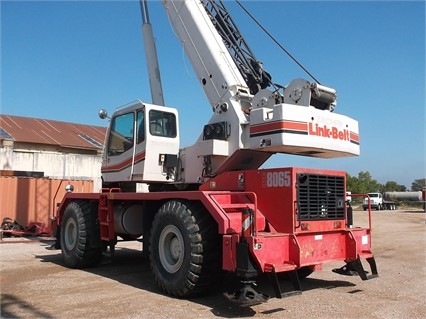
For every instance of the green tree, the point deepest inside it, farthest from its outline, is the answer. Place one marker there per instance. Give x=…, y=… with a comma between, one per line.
x=392, y=186
x=368, y=183
x=362, y=184
x=354, y=185
x=418, y=184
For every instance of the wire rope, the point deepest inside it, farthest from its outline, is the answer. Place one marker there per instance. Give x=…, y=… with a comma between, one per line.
x=276, y=42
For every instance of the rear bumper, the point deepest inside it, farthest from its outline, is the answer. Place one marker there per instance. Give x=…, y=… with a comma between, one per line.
x=280, y=252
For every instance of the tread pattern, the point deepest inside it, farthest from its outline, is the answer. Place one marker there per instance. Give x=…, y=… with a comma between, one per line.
x=202, y=249
x=88, y=249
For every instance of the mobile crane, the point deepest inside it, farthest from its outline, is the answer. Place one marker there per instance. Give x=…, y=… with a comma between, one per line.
x=210, y=208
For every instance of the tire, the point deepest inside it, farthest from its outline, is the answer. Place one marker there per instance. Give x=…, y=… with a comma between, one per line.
x=81, y=243
x=185, y=249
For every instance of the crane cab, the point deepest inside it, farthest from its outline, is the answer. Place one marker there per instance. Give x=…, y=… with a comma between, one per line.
x=141, y=145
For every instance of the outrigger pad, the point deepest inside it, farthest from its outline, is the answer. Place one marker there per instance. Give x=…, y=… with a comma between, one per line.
x=247, y=296
x=355, y=267
x=346, y=270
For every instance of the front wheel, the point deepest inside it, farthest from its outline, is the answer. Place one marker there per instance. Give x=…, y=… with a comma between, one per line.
x=80, y=238
x=184, y=249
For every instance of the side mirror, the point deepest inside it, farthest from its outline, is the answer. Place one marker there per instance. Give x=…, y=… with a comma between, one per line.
x=103, y=114
x=69, y=188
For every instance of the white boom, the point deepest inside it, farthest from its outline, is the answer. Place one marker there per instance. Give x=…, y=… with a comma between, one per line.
x=268, y=121
x=151, y=57
x=249, y=122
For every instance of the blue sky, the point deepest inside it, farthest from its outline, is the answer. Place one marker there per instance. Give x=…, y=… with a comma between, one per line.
x=64, y=60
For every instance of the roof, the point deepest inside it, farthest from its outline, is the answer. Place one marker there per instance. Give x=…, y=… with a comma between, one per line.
x=49, y=132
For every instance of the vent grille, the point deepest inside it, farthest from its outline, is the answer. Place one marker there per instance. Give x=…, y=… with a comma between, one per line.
x=320, y=197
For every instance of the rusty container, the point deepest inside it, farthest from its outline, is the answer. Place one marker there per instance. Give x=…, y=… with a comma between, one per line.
x=34, y=200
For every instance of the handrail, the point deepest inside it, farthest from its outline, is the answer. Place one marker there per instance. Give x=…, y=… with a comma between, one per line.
x=369, y=206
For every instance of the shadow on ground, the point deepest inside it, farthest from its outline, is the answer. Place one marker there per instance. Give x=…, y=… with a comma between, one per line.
x=11, y=305
x=129, y=267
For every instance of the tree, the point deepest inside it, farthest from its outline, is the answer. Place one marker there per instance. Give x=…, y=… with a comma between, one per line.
x=418, y=184
x=392, y=186
x=365, y=183
x=353, y=185
x=362, y=184
x=369, y=184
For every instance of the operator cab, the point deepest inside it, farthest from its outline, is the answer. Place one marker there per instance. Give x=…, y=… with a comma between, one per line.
x=141, y=145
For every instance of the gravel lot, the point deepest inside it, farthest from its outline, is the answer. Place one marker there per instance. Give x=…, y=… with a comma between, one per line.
x=35, y=284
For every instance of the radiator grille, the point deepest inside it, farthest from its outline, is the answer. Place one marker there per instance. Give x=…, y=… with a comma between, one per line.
x=320, y=197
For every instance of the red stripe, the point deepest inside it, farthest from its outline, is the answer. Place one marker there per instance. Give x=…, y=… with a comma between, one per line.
x=354, y=137
x=281, y=125
x=126, y=163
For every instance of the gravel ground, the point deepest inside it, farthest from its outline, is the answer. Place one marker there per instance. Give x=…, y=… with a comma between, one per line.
x=35, y=284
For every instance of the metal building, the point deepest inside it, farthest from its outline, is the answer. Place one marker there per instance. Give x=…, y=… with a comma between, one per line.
x=37, y=159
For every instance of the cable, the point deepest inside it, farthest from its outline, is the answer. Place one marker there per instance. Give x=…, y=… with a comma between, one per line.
x=276, y=42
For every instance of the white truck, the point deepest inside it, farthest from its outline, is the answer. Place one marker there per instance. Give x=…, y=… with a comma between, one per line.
x=377, y=201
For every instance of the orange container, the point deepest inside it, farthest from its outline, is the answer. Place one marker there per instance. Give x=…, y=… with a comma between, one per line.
x=28, y=199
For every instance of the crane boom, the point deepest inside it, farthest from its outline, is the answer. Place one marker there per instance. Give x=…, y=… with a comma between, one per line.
x=249, y=123
x=248, y=118
x=151, y=57
x=215, y=68
x=251, y=69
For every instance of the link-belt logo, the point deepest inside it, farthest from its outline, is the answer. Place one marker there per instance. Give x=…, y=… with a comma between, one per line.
x=330, y=132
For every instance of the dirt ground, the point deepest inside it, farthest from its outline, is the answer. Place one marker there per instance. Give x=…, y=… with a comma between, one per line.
x=35, y=284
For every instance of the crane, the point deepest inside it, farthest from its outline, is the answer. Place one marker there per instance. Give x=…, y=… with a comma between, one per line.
x=249, y=121
x=210, y=207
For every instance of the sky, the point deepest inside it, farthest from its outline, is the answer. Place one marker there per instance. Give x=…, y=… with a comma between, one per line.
x=64, y=60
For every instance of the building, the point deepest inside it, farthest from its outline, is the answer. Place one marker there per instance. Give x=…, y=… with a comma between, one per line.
x=54, y=149
x=38, y=158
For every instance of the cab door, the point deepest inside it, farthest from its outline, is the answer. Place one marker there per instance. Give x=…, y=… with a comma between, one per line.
x=118, y=157
x=142, y=144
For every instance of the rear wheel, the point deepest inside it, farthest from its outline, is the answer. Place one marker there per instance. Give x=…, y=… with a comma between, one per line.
x=184, y=249
x=80, y=238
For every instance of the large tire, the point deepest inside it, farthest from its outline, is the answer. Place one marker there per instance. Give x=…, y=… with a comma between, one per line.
x=81, y=243
x=184, y=249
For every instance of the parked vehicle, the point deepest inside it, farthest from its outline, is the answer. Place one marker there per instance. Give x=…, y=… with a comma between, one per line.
x=376, y=201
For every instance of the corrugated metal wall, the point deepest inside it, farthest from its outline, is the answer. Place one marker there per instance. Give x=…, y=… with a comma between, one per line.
x=34, y=199
x=54, y=165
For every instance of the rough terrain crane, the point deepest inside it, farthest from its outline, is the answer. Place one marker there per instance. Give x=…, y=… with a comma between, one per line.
x=210, y=208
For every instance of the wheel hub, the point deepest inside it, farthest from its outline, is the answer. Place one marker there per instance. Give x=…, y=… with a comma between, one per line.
x=175, y=248
x=171, y=248
x=70, y=234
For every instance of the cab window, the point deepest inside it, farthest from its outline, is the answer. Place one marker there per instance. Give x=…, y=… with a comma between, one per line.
x=162, y=123
x=121, y=134
x=140, y=127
